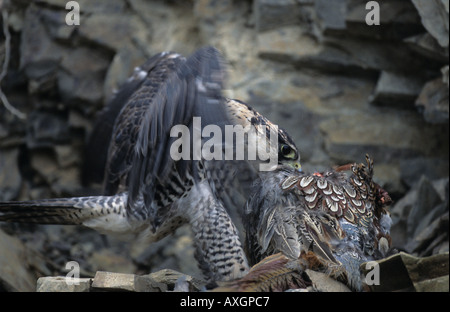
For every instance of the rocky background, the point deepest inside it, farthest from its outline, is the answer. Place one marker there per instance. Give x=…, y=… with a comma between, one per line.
x=341, y=88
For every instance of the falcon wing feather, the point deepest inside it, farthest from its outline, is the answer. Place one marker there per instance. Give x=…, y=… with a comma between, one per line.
x=176, y=90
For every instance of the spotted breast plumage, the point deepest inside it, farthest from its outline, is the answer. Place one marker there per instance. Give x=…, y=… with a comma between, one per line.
x=329, y=221
x=147, y=193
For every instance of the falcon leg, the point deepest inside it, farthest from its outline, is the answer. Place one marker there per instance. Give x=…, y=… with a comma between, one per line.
x=218, y=248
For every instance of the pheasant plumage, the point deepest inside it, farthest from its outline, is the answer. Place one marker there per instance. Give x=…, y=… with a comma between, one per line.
x=329, y=221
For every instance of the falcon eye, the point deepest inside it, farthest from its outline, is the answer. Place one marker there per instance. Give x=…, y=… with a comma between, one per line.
x=285, y=150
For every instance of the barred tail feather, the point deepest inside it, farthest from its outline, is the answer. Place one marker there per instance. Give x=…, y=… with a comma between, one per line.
x=70, y=211
x=46, y=211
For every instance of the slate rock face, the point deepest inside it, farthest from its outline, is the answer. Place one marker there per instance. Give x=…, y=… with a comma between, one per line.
x=433, y=101
x=434, y=15
x=341, y=88
x=10, y=177
x=20, y=266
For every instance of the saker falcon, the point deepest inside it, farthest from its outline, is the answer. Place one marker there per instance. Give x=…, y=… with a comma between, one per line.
x=147, y=194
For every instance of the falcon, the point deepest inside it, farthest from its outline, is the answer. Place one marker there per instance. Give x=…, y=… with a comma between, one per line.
x=147, y=193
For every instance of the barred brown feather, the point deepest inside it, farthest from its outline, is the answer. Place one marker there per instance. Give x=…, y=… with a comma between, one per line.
x=340, y=218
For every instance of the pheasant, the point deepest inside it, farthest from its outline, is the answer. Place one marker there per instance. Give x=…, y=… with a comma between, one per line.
x=329, y=222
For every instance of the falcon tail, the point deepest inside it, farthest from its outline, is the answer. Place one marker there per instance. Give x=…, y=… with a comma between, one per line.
x=72, y=211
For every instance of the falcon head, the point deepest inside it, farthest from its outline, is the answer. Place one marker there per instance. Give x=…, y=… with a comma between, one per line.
x=272, y=142
x=276, y=143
